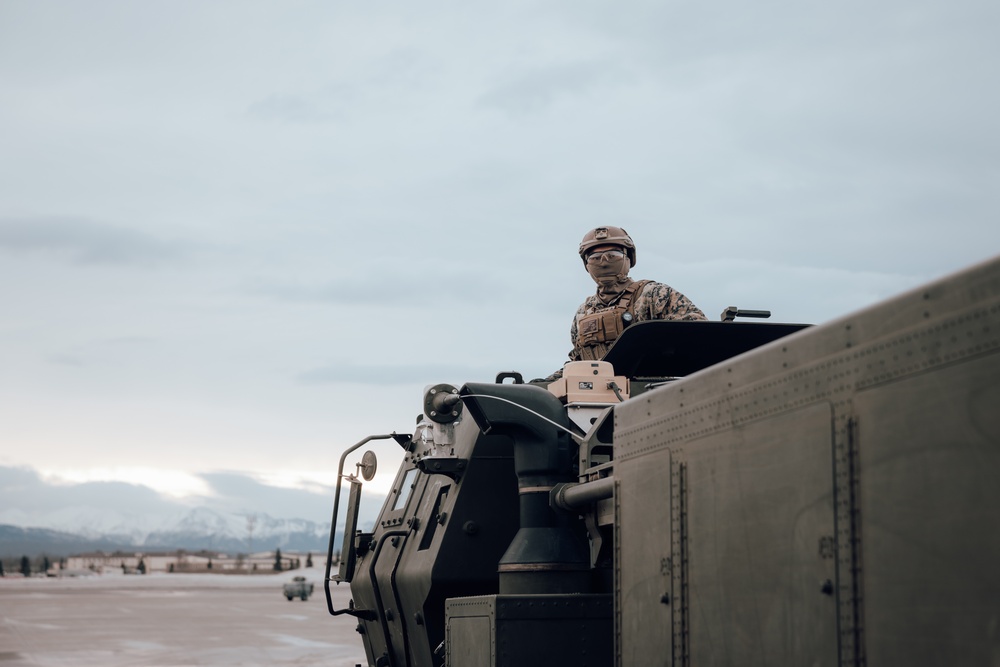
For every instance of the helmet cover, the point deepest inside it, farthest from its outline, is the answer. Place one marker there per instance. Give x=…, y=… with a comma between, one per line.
x=602, y=236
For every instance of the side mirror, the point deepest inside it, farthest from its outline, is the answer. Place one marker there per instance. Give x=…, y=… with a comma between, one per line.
x=368, y=465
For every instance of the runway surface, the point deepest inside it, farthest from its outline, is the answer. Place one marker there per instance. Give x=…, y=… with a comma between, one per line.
x=167, y=620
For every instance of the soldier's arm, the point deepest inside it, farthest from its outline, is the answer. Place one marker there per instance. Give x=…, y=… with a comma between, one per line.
x=574, y=354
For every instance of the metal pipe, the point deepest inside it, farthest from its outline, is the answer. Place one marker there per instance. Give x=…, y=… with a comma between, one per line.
x=549, y=553
x=577, y=496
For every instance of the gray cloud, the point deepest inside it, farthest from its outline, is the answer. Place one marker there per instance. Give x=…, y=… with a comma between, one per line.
x=86, y=242
x=538, y=88
x=238, y=492
x=98, y=350
x=296, y=108
x=66, y=360
x=22, y=488
x=408, y=282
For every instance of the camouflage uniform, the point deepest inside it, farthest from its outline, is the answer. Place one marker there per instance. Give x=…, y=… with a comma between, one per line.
x=656, y=301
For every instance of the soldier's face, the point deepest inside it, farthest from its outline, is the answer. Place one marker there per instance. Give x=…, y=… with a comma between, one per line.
x=606, y=263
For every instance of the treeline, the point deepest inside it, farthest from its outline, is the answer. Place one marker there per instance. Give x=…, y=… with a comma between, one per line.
x=41, y=565
x=28, y=566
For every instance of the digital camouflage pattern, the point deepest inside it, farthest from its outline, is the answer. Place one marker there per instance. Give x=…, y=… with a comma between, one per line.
x=656, y=301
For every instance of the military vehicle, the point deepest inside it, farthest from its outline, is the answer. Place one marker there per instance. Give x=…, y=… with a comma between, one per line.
x=298, y=587
x=711, y=493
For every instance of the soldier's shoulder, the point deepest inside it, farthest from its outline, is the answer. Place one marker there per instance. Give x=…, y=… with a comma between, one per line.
x=652, y=287
x=588, y=304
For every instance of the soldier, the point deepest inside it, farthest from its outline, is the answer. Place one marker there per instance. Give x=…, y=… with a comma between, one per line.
x=608, y=253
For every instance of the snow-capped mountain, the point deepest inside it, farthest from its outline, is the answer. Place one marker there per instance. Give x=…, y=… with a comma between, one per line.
x=64, y=530
x=240, y=515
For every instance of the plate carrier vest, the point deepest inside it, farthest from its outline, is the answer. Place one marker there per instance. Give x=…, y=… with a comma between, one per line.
x=596, y=332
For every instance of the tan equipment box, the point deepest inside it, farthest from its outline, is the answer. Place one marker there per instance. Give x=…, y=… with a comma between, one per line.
x=589, y=382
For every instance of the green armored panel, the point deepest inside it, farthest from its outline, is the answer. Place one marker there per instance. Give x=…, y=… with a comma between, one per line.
x=831, y=498
x=648, y=561
x=736, y=562
x=930, y=514
x=760, y=543
x=525, y=630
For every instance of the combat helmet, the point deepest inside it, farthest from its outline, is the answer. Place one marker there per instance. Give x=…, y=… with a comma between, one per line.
x=607, y=236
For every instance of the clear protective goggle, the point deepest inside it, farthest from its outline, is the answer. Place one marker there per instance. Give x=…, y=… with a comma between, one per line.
x=605, y=256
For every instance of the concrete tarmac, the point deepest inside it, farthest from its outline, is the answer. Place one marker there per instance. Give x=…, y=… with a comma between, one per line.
x=168, y=620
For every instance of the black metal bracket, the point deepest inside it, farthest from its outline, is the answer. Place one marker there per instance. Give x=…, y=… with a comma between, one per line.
x=732, y=312
x=363, y=614
x=510, y=375
x=452, y=467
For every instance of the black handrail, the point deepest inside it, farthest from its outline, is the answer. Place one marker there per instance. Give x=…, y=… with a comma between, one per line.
x=398, y=532
x=401, y=439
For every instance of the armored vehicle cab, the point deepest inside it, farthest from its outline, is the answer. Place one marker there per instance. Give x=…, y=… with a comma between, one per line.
x=711, y=493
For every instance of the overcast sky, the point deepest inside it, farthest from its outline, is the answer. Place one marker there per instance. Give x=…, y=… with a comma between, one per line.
x=236, y=237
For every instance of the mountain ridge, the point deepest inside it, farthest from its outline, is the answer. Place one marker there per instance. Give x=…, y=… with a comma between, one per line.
x=74, y=530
